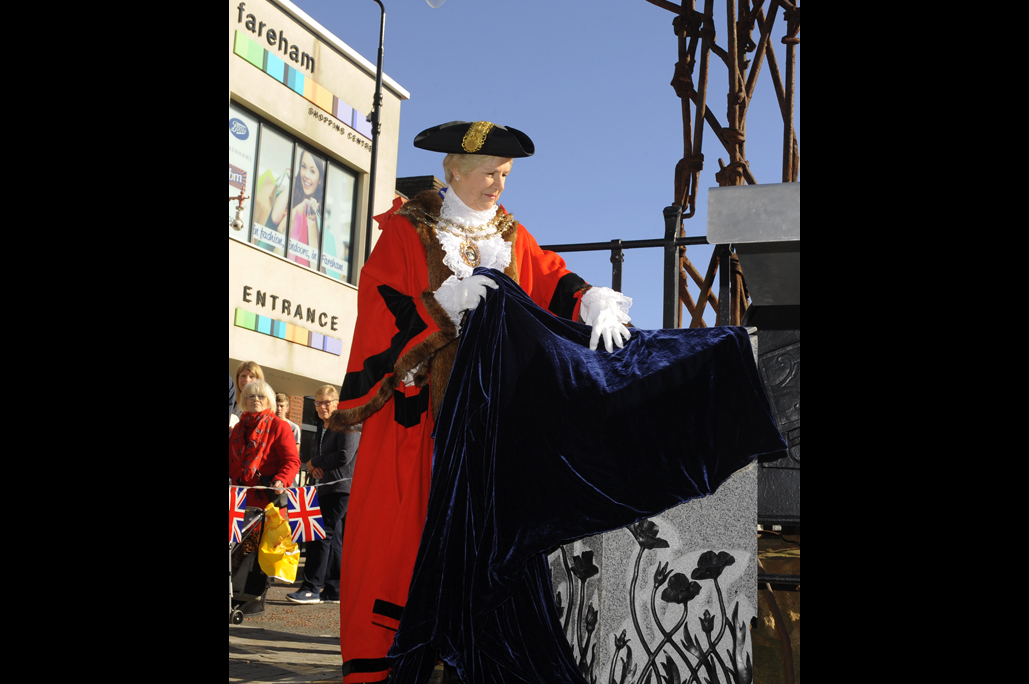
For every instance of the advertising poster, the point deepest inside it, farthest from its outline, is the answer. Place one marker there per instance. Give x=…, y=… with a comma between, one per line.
x=339, y=221
x=272, y=192
x=242, y=155
x=307, y=197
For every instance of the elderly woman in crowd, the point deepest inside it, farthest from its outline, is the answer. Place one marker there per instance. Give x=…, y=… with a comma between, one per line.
x=414, y=290
x=262, y=450
x=247, y=371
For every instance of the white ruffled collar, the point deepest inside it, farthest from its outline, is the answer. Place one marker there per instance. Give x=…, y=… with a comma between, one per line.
x=494, y=252
x=459, y=212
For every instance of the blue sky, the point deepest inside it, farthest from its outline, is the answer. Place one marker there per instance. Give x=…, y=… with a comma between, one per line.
x=588, y=81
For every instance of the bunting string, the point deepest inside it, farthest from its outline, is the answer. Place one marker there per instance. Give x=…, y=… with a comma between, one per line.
x=302, y=511
x=321, y=484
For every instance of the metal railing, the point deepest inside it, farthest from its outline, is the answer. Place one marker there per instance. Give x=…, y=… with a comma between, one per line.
x=677, y=267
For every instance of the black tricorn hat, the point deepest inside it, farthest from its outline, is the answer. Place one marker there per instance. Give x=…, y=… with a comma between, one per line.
x=475, y=137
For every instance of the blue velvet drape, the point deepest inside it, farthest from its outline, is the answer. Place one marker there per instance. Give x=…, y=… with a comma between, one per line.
x=541, y=441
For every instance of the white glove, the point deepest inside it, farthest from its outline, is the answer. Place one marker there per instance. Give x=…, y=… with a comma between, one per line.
x=607, y=311
x=471, y=289
x=457, y=296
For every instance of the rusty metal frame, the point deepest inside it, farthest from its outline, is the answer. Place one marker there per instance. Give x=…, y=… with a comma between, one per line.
x=695, y=32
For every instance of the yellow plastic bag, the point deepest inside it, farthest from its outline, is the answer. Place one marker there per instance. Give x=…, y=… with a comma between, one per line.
x=278, y=554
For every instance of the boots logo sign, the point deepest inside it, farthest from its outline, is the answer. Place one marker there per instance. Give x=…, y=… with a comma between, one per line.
x=239, y=129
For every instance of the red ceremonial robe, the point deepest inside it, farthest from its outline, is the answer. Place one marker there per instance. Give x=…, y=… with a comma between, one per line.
x=401, y=327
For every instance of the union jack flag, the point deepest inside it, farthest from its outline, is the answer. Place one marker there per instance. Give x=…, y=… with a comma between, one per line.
x=237, y=509
x=305, y=515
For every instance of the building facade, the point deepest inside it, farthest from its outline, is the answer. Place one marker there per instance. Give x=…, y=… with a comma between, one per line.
x=300, y=150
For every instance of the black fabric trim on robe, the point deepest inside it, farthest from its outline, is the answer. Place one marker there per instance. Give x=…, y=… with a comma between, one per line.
x=409, y=324
x=408, y=410
x=563, y=302
x=541, y=441
x=365, y=665
x=390, y=610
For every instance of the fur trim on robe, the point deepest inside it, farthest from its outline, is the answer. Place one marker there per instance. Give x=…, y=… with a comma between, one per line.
x=437, y=352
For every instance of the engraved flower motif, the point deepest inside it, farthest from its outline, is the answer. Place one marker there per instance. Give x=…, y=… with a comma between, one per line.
x=583, y=567
x=621, y=641
x=707, y=622
x=680, y=589
x=591, y=619
x=661, y=574
x=645, y=533
x=710, y=565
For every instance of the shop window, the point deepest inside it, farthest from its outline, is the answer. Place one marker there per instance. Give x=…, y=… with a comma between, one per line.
x=340, y=190
x=310, y=413
x=272, y=192
x=243, y=131
x=302, y=206
x=308, y=429
x=308, y=194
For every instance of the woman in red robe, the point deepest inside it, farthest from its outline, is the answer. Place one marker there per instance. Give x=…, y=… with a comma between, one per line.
x=413, y=290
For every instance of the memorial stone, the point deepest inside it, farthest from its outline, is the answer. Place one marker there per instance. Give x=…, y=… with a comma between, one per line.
x=675, y=593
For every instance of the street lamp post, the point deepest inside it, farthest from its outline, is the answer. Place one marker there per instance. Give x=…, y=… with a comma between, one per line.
x=375, y=118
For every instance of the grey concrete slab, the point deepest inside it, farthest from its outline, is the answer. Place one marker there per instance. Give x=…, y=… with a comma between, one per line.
x=753, y=213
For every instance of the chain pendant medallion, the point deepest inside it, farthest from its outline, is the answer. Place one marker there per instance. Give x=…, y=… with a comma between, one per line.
x=470, y=253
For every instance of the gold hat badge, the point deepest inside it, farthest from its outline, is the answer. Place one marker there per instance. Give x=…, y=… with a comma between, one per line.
x=476, y=136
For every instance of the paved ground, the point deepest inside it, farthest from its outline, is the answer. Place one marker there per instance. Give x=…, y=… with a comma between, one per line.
x=289, y=644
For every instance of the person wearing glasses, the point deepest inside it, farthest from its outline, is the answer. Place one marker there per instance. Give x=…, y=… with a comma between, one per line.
x=331, y=463
x=262, y=450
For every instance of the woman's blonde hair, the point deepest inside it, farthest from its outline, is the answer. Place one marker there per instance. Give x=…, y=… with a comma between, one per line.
x=257, y=387
x=466, y=163
x=254, y=369
x=328, y=392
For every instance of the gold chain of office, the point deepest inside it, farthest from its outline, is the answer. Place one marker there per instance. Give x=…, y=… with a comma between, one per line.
x=468, y=250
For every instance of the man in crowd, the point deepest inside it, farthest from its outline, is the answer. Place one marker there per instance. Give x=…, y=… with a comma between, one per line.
x=282, y=411
x=332, y=458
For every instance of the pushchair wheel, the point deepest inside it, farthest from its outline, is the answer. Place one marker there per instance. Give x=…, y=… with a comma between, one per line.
x=236, y=617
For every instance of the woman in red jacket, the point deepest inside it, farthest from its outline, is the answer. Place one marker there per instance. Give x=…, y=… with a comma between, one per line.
x=262, y=450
